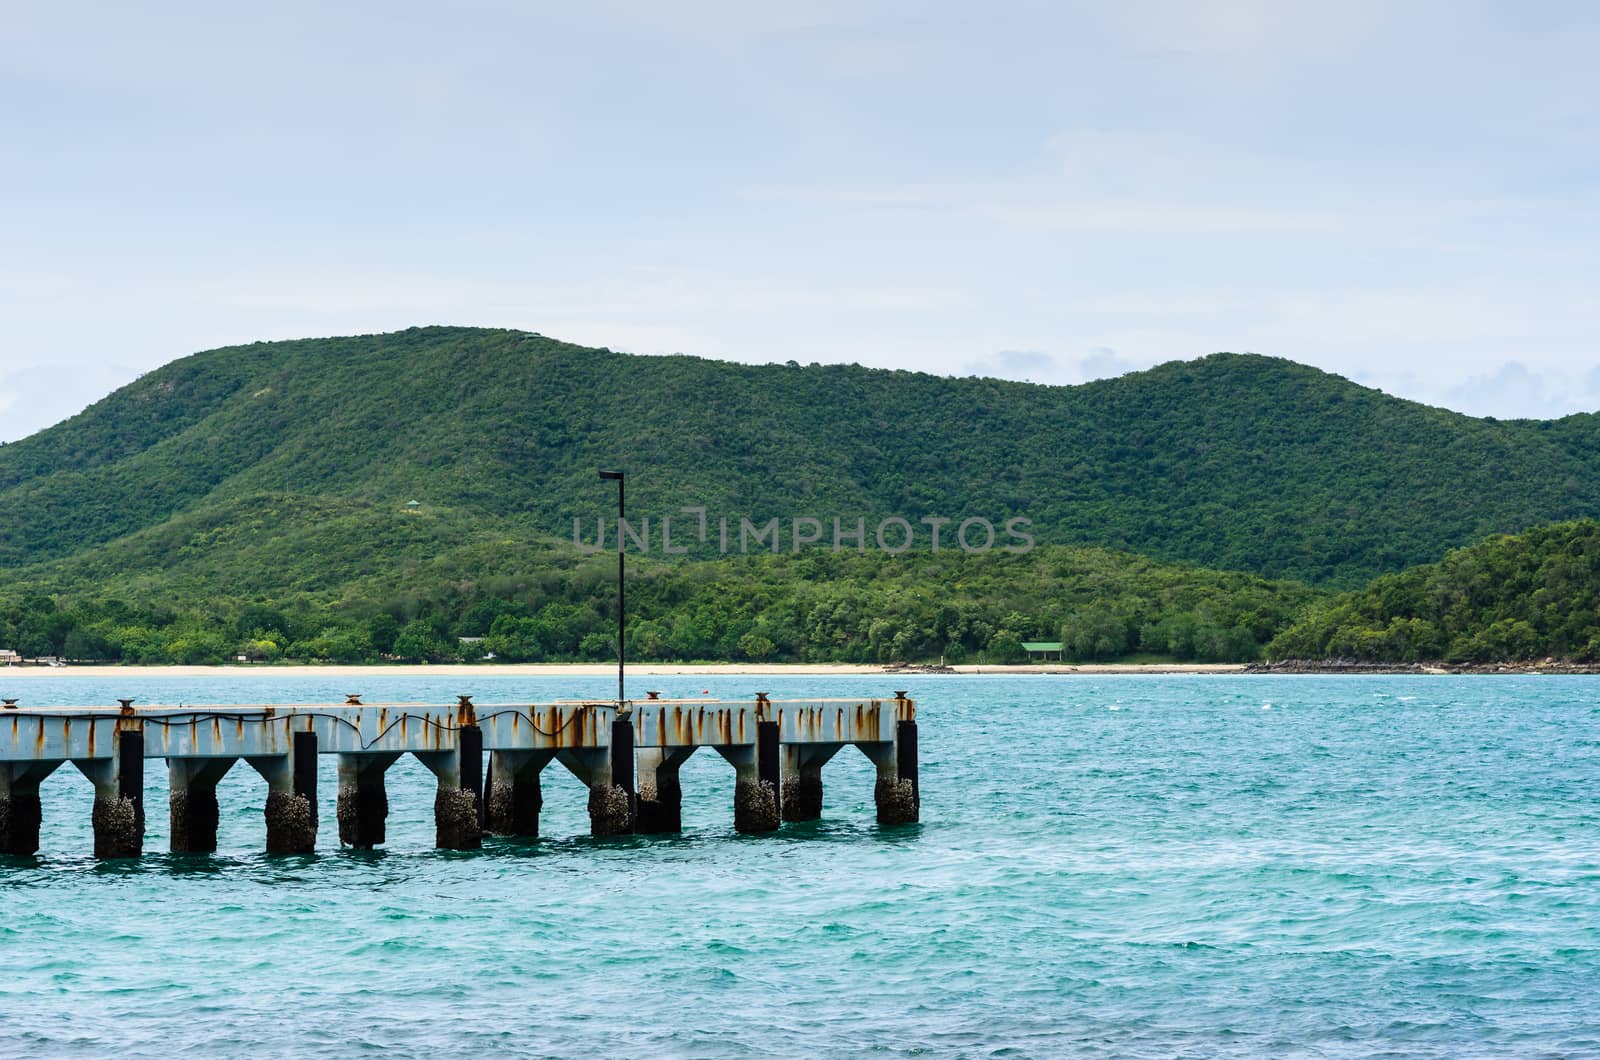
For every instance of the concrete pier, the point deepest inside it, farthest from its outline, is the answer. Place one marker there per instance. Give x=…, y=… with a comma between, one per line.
x=291, y=809
x=20, y=810
x=192, y=801
x=628, y=755
x=660, y=793
x=757, y=788
x=802, y=779
x=610, y=804
x=896, y=793
x=363, y=804
x=514, y=795
x=118, y=815
x=755, y=807
x=458, y=804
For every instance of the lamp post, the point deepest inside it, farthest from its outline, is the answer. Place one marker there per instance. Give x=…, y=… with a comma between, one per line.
x=622, y=599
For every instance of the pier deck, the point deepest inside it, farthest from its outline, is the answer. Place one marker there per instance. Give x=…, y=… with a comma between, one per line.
x=628, y=754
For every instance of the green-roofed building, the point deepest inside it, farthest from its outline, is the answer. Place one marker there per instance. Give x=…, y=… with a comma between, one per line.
x=1041, y=650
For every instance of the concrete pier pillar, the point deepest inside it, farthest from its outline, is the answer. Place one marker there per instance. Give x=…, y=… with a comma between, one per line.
x=611, y=800
x=20, y=810
x=802, y=779
x=514, y=797
x=608, y=811
x=471, y=754
x=660, y=794
x=118, y=796
x=456, y=804
x=363, y=803
x=897, y=794
x=622, y=774
x=757, y=780
x=192, y=802
x=291, y=809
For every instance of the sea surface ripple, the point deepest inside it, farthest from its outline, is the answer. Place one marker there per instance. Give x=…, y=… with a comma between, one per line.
x=1121, y=866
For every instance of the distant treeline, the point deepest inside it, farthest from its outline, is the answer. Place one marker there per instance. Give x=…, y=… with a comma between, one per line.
x=813, y=608
x=1508, y=598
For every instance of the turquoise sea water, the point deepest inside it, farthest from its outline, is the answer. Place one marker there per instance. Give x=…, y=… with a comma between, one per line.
x=1119, y=866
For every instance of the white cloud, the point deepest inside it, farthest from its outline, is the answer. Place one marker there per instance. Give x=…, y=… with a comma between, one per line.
x=1514, y=391
x=1393, y=192
x=1026, y=365
x=1036, y=366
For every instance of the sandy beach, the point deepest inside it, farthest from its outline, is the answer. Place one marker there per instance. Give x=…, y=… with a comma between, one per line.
x=599, y=670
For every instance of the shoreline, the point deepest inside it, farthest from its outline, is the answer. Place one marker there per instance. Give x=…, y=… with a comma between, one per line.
x=1324, y=668
x=610, y=670
x=1541, y=667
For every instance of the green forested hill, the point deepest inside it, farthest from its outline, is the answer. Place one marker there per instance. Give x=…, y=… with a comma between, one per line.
x=1231, y=461
x=1523, y=596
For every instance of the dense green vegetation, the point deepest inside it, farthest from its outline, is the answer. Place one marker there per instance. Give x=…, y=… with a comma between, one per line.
x=1527, y=596
x=1233, y=462
x=448, y=580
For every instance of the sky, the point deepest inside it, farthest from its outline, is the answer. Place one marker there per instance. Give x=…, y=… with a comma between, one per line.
x=1404, y=193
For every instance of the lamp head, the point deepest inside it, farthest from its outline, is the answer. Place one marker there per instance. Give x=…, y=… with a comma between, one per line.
x=617, y=475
